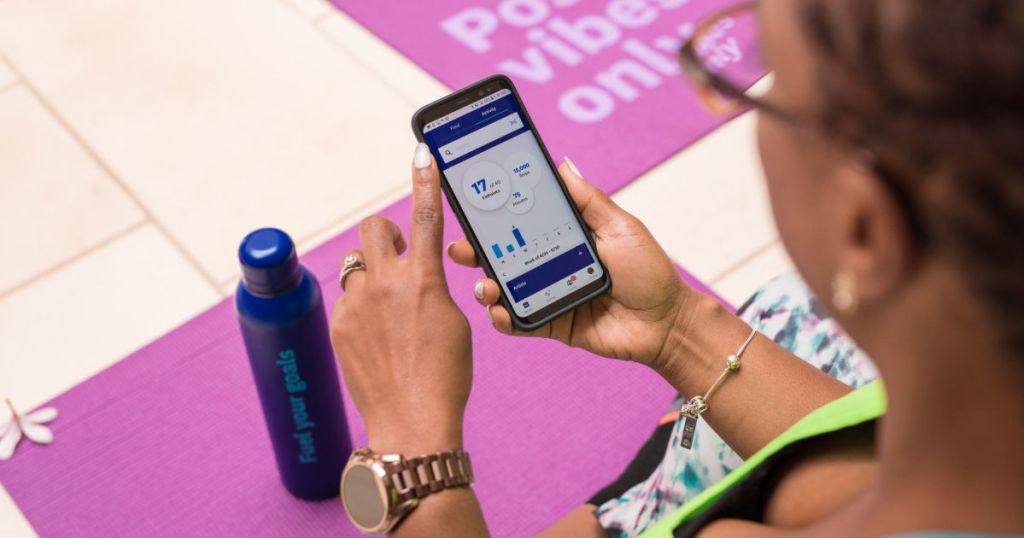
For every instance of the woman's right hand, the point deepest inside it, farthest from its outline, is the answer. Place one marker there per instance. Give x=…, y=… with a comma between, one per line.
x=634, y=319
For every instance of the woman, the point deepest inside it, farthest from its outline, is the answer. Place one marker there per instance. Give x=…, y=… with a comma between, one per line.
x=891, y=140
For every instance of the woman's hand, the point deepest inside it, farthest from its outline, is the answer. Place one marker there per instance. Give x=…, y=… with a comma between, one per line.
x=403, y=345
x=634, y=319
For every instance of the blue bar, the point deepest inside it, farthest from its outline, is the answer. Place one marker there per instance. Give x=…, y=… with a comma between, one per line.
x=497, y=251
x=550, y=272
x=519, y=237
x=472, y=121
x=510, y=248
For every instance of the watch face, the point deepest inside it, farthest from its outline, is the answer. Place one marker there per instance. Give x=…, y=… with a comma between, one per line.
x=364, y=497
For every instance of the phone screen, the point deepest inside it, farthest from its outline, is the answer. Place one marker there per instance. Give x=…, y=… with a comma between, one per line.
x=513, y=202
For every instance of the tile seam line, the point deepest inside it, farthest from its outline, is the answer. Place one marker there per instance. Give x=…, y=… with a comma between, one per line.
x=317, y=19
x=392, y=196
x=738, y=264
x=318, y=24
x=312, y=18
x=109, y=171
x=71, y=260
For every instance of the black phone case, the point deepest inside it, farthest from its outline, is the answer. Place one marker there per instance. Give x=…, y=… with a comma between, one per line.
x=517, y=322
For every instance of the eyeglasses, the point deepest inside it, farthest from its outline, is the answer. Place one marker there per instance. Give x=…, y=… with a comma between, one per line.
x=722, y=58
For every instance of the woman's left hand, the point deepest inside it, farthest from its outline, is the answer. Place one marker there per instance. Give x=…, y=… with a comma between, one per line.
x=403, y=344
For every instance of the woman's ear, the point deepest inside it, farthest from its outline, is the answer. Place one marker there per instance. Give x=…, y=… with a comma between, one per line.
x=876, y=244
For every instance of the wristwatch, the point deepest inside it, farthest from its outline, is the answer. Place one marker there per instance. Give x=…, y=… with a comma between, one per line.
x=378, y=490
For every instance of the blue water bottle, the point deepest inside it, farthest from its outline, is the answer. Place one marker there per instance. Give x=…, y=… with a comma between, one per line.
x=281, y=312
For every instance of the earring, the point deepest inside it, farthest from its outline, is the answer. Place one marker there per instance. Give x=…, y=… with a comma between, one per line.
x=844, y=293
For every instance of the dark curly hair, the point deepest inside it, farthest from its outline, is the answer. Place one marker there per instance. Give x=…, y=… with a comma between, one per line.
x=935, y=89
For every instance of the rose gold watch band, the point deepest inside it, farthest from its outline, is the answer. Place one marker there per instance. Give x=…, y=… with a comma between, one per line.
x=415, y=478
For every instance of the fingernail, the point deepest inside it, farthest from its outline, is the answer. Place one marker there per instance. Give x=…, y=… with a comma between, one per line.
x=422, y=157
x=478, y=290
x=489, y=316
x=448, y=249
x=572, y=166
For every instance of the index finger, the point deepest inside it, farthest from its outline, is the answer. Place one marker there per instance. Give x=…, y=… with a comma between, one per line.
x=427, y=214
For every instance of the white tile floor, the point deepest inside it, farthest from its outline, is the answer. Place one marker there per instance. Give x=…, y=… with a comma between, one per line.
x=7, y=77
x=140, y=140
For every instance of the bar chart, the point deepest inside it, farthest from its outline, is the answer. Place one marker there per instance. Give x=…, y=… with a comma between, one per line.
x=509, y=248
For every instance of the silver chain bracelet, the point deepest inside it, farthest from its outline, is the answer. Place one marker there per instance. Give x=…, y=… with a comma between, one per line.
x=692, y=409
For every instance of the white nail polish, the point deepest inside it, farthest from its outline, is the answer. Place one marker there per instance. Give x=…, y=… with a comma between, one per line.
x=572, y=166
x=422, y=157
x=478, y=290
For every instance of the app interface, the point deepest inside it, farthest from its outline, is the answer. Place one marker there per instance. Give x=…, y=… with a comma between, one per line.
x=513, y=202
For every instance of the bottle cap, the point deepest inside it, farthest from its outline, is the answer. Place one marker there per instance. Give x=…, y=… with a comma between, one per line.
x=269, y=263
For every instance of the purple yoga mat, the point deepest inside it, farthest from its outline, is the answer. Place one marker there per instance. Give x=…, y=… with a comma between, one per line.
x=600, y=78
x=170, y=441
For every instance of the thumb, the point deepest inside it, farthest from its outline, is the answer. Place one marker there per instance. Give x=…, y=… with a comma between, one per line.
x=596, y=207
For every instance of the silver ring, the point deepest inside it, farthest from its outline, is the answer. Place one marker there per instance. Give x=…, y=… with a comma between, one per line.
x=349, y=265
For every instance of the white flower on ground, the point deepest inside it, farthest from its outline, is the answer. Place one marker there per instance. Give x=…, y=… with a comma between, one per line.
x=30, y=425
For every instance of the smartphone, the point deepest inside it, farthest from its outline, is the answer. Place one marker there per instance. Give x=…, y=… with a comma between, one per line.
x=506, y=192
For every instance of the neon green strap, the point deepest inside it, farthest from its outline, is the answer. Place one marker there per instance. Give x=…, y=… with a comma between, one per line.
x=864, y=404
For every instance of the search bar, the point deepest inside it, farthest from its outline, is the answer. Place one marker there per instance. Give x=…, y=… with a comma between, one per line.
x=473, y=141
